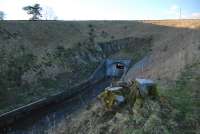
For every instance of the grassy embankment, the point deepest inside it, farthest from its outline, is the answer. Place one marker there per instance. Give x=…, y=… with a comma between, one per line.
x=37, y=62
x=176, y=111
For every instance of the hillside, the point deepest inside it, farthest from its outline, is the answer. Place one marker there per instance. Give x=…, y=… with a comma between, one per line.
x=176, y=111
x=42, y=58
x=173, y=49
x=173, y=62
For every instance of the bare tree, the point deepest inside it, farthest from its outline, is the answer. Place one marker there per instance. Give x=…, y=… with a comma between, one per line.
x=2, y=15
x=34, y=10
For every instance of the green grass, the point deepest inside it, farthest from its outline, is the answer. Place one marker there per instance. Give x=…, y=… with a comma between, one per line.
x=16, y=91
x=176, y=112
x=137, y=54
x=184, y=97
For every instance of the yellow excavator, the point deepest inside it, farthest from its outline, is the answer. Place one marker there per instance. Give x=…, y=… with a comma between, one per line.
x=132, y=93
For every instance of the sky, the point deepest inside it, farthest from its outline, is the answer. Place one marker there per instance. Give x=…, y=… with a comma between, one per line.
x=105, y=9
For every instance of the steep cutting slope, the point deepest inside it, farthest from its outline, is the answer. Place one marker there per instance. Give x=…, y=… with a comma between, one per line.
x=39, y=58
x=173, y=50
x=175, y=58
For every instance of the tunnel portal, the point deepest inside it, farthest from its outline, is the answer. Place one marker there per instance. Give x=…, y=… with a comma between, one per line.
x=117, y=67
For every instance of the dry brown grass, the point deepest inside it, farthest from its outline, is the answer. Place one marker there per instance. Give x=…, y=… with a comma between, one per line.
x=174, y=48
x=188, y=23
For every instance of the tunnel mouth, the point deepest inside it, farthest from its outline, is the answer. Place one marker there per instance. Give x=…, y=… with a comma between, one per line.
x=120, y=66
x=117, y=68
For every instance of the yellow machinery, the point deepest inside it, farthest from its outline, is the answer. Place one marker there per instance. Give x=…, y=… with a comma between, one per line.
x=132, y=93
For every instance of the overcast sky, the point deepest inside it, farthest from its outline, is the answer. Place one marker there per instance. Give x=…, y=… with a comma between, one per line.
x=105, y=9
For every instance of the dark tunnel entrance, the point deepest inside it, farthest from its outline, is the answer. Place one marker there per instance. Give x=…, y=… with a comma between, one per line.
x=116, y=68
x=120, y=66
